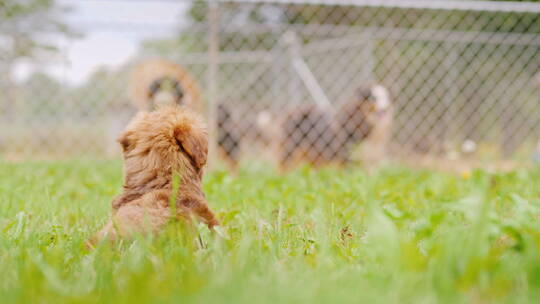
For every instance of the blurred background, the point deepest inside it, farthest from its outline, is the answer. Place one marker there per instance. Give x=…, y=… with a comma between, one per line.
x=460, y=76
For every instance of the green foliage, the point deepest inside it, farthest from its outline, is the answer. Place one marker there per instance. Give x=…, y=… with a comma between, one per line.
x=26, y=31
x=49, y=96
x=329, y=236
x=104, y=87
x=26, y=26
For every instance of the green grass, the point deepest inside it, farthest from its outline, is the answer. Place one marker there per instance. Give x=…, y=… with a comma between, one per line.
x=329, y=236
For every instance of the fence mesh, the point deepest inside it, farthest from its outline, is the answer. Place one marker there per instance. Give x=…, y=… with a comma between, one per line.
x=304, y=81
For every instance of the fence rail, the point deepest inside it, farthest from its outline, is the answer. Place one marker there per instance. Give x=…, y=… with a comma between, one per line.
x=485, y=6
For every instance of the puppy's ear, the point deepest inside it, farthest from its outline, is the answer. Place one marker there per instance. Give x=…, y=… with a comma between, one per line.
x=123, y=140
x=194, y=142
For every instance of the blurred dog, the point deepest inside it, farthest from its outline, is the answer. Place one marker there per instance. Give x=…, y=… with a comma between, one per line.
x=375, y=148
x=229, y=136
x=312, y=134
x=157, y=146
x=161, y=82
x=235, y=126
x=316, y=136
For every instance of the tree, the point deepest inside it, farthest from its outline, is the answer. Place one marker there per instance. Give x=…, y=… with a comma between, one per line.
x=26, y=29
x=36, y=105
x=105, y=89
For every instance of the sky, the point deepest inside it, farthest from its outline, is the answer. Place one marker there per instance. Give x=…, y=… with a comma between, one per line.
x=111, y=32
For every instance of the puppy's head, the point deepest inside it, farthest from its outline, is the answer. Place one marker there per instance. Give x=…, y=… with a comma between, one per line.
x=165, y=91
x=373, y=99
x=368, y=107
x=159, y=143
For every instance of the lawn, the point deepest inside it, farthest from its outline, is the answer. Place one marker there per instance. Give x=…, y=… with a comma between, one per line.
x=329, y=236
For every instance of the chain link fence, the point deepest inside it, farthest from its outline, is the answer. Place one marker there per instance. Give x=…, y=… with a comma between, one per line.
x=315, y=81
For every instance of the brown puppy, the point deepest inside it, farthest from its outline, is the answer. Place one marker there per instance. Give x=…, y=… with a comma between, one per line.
x=157, y=146
x=152, y=84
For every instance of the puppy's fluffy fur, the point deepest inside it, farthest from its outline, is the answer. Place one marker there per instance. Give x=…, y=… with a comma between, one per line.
x=156, y=146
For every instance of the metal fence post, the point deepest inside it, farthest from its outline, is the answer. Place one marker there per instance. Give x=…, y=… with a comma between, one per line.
x=291, y=42
x=212, y=75
x=368, y=58
x=451, y=84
